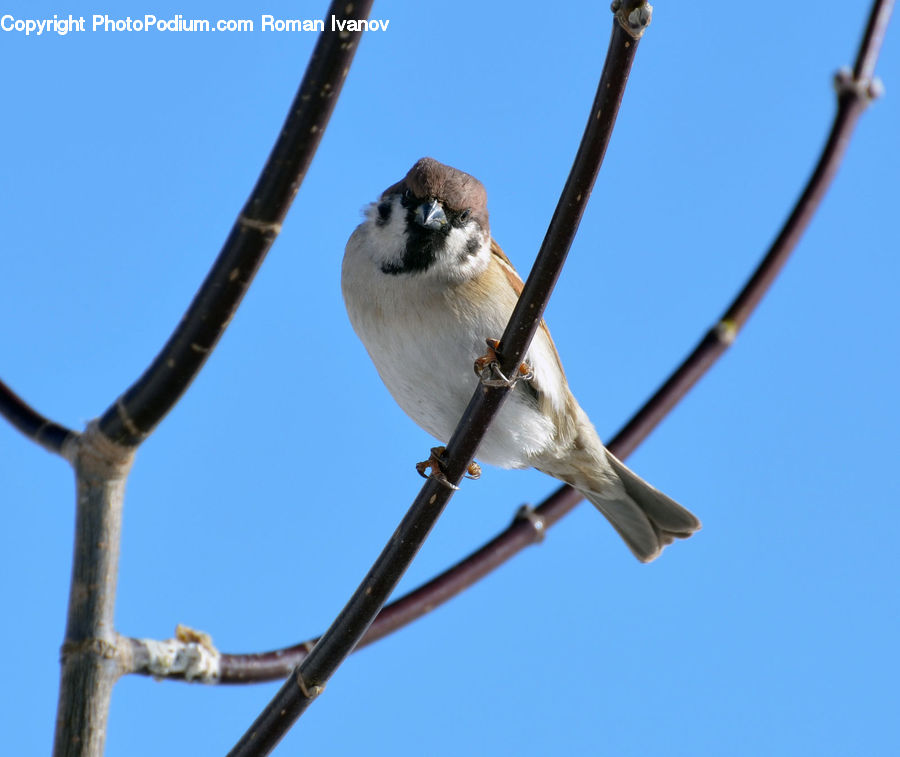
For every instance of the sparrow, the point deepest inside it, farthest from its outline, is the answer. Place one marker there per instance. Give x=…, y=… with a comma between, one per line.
x=425, y=286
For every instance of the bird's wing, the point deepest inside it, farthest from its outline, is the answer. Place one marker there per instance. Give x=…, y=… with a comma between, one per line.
x=516, y=283
x=558, y=406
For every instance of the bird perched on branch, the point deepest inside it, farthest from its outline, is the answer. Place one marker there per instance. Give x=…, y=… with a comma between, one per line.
x=425, y=285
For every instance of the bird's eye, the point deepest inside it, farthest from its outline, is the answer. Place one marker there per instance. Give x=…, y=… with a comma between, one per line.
x=407, y=195
x=464, y=216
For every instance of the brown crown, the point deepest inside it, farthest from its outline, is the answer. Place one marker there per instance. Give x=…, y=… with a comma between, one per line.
x=454, y=189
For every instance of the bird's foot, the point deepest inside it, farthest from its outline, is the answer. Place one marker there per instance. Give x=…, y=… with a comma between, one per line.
x=435, y=462
x=487, y=368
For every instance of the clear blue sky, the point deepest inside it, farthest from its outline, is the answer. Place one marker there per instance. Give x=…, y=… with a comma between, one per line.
x=261, y=500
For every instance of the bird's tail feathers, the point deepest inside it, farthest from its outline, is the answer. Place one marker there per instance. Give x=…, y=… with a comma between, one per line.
x=644, y=517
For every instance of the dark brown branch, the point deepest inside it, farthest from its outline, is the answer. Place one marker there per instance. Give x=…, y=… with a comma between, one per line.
x=135, y=414
x=51, y=436
x=310, y=677
x=524, y=531
x=873, y=38
x=854, y=94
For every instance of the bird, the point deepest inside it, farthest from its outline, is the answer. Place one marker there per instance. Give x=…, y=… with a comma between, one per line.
x=425, y=285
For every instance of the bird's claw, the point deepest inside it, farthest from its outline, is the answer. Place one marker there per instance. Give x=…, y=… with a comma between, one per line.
x=489, y=358
x=487, y=368
x=435, y=462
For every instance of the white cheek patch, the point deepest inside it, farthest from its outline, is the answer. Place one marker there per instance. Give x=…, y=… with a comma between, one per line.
x=387, y=240
x=458, y=262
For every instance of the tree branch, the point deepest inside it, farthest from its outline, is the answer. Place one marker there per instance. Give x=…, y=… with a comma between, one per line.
x=310, y=677
x=50, y=435
x=91, y=663
x=131, y=418
x=93, y=654
x=529, y=526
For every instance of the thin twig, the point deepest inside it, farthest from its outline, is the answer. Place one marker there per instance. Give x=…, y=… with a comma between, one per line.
x=135, y=414
x=524, y=531
x=310, y=677
x=50, y=435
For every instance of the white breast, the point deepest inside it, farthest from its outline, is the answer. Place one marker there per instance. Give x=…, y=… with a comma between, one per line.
x=424, y=339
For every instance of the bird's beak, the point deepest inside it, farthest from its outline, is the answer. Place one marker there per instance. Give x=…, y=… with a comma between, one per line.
x=430, y=214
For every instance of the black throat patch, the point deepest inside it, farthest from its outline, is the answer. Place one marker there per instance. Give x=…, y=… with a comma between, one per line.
x=422, y=248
